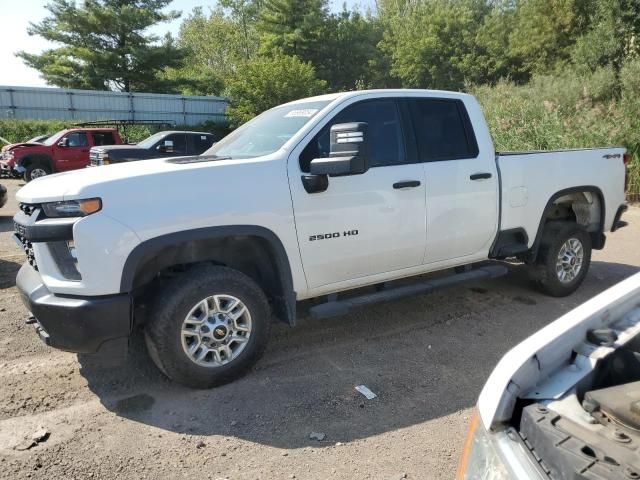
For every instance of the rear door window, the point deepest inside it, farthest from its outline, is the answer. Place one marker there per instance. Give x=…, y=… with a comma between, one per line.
x=443, y=129
x=103, y=138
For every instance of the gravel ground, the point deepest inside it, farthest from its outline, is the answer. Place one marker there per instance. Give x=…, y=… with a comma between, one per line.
x=426, y=357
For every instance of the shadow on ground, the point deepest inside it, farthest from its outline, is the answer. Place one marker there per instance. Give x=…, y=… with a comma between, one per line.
x=425, y=356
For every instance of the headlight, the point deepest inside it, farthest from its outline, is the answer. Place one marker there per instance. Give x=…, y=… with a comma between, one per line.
x=72, y=208
x=8, y=155
x=479, y=459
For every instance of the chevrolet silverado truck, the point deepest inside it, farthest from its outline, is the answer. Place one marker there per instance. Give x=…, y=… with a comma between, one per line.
x=62, y=151
x=565, y=403
x=311, y=199
x=158, y=145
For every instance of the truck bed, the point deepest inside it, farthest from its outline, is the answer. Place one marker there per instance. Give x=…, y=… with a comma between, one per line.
x=530, y=180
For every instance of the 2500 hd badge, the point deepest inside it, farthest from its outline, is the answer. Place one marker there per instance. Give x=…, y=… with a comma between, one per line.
x=327, y=236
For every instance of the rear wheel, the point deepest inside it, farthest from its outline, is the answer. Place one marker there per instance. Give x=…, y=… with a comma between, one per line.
x=36, y=170
x=208, y=326
x=563, y=259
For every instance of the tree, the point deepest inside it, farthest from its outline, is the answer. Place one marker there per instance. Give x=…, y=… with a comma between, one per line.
x=433, y=43
x=104, y=45
x=265, y=82
x=293, y=27
x=216, y=47
x=545, y=32
x=612, y=35
x=350, y=58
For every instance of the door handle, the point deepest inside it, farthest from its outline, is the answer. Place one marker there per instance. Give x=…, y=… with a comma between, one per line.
x=406, y=184
x=480, y=176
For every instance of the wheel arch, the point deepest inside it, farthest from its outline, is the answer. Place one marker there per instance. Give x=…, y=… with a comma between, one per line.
x=253, y=250
x=40, y=158
x=571, y=197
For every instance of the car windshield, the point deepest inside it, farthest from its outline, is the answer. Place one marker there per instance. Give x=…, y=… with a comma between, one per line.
x=54, y=138
x=152, y=140
x=267, y=132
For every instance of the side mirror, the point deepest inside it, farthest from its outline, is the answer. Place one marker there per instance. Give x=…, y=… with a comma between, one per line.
x=63, y=143
x=166, y=146
x=348, y=154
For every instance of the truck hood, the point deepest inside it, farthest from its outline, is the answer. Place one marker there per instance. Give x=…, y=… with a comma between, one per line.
x=108, y=148
x=20, y=145
x=559, y=355
x=69, y=185
x=92, y=180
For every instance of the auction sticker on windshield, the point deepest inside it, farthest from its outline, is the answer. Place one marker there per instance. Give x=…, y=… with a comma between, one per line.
x=303, y=112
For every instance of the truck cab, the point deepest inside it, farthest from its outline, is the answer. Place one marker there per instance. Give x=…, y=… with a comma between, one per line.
x=63, y=151
x=159, y=145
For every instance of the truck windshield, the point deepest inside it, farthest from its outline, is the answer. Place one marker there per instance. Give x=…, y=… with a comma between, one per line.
x=54, y=138
x=267, y=132
x=151, y=141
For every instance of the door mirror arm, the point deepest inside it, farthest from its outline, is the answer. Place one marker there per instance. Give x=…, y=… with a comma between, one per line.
x=315, y=183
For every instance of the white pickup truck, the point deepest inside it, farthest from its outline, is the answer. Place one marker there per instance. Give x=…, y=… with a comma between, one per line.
x=565, y=403
x=315, y=197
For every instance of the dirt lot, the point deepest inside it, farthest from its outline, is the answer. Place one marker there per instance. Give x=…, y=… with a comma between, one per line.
x=426, y=357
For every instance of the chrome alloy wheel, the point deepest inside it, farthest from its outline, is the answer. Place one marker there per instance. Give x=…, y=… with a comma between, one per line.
x=37, y=173
x=569, y=261
x=216, y=330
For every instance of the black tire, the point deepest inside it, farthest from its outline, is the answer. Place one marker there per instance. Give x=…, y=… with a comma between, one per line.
x=175, y=300
x=554, y=236
x=34, y=170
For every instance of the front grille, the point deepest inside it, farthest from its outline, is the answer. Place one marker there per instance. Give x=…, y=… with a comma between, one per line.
x=28, y=209
x=27, y=246
x=95, y=159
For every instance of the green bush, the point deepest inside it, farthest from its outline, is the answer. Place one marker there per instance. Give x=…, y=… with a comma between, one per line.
x=569, y=111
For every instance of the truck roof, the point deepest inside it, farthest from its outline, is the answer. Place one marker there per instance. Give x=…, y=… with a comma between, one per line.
x=399, y=91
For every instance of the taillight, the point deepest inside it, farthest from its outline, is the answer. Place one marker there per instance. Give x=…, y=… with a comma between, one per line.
x=626, y=159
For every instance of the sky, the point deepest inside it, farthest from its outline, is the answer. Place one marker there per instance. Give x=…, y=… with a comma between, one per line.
x=14, y=37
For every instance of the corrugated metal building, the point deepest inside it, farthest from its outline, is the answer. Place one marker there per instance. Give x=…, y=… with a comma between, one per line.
x=90, y=105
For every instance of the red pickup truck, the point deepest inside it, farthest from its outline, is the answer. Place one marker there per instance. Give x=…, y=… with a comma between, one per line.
x=62, y=151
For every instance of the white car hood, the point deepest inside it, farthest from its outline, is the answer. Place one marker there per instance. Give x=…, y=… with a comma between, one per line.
x=70, y=185
x=540, y=356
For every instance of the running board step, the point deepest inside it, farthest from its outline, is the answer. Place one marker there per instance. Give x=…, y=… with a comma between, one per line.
x=342, y=307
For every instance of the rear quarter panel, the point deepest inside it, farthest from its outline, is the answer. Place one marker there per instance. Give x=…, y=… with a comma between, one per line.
x=530, y=180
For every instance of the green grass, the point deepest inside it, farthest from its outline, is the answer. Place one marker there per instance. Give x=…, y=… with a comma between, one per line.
x=569, y=111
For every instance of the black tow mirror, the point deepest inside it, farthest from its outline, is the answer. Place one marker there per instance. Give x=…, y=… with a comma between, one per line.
x=348, y=154
x=166, y=146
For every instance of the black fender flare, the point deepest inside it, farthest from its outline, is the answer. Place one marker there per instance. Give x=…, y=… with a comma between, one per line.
x=41, y=158
x=150, y=248
x=598, y=236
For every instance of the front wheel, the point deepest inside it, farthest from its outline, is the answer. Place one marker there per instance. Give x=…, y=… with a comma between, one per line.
x=563, y=259
x=36, y=170
x=208, y=326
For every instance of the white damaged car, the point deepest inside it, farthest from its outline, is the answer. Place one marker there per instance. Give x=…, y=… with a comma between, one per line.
x=565, y=403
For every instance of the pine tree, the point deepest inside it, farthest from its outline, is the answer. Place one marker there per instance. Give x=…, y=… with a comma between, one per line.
x=293, y=27
x=104, y=45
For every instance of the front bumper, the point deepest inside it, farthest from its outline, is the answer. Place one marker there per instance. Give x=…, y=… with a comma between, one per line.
x=73, y=323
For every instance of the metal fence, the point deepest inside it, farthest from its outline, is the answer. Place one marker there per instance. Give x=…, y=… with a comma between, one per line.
x=90, y=105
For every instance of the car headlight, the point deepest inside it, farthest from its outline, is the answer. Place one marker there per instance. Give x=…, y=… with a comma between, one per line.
x=72, y=208
x=480, y=459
